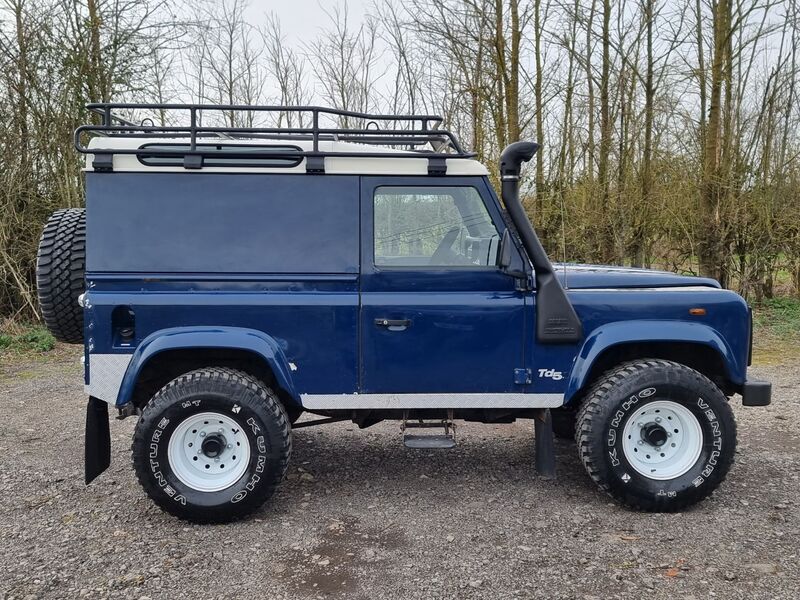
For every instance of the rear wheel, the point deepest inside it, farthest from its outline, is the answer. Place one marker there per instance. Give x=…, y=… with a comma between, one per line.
x=656, y=435
x=212, y=445
x=60, y=270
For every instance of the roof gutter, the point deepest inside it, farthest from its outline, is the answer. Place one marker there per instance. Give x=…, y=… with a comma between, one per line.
x=556, y=319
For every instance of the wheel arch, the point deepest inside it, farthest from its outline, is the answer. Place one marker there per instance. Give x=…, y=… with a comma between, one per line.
x=169, y=353
x=695, y=345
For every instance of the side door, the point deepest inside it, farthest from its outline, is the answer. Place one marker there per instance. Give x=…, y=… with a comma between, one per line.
x=437, y=316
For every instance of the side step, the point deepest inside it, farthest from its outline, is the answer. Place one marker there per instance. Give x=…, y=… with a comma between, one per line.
x=426, y=442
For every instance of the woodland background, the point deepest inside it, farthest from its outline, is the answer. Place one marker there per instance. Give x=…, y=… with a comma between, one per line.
x=669, y=129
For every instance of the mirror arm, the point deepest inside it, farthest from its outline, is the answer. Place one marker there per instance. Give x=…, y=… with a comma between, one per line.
x=515, y=273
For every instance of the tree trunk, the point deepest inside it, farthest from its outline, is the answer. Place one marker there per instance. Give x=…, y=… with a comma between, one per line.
x=606, y=242
x=590, y=99
x=710, y=246
x=539, y=104
x=640, y=235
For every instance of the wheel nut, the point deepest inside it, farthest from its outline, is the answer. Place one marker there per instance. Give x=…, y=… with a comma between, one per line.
x=658, y=419
x=202, y=434
x=230, y=446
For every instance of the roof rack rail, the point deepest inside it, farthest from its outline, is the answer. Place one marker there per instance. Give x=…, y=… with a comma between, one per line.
x=409, y=136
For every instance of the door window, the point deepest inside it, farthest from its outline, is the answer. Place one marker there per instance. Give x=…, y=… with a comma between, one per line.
x=433, y=227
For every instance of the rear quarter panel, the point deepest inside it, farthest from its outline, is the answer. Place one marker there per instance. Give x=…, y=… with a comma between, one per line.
x=247, y=251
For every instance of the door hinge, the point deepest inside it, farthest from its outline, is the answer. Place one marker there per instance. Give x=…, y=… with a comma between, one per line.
x=523, y=376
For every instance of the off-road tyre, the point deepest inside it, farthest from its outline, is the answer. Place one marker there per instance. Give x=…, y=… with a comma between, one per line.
x=235, y=397
x=624, y=393
x=60, y=269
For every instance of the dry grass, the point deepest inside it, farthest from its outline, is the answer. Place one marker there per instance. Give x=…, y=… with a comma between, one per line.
x=24, y=338
x=777, y=331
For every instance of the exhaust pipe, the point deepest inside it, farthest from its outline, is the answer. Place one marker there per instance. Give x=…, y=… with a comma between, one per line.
x=556, y=319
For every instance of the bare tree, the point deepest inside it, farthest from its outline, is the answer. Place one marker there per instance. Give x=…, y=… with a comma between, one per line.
x=345, y=62
x=669, y=130
x=56, y=55
x=287, y=69
x=232, y=72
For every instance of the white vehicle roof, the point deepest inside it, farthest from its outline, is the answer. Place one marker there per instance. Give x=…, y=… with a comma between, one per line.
x=387, y=164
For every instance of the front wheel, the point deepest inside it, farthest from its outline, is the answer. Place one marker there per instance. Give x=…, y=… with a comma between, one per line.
x=212, y=445
x=656, y=435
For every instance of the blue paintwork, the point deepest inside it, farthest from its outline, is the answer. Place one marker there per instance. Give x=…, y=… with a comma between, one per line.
x=625, y=332
x=463, y=320
x=601, y=276
x=611, y=318
x=306, y=291
x=304, y=317
x=195, y=222
x=238, y=338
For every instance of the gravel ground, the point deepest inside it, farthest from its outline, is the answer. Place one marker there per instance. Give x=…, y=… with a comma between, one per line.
x=362, y=517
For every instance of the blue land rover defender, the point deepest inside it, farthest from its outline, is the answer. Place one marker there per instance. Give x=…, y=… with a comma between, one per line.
x=224, y=280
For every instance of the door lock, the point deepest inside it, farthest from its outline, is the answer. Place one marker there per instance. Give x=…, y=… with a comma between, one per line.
x=393, y=324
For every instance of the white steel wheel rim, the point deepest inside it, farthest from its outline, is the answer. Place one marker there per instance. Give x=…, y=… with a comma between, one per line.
x=680, y=451
x=208, y=452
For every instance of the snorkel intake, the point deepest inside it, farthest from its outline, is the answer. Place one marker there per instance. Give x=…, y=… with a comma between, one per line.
x=556, y=319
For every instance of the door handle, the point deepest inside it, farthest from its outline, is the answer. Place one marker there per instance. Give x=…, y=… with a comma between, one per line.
x=393, y=324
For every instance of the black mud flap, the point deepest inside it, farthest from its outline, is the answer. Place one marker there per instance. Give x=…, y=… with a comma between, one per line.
x=98, y=439
x=545, y=447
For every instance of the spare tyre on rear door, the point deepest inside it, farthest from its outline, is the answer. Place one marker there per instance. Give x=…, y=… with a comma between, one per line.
x=60, y=268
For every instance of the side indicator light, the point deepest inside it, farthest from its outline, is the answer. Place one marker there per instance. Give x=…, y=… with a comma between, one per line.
x=697, y=312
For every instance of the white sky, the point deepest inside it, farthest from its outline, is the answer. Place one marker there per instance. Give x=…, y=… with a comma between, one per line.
x=299, y=18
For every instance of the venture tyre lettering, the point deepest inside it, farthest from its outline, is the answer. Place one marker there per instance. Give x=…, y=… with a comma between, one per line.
x=250, y=417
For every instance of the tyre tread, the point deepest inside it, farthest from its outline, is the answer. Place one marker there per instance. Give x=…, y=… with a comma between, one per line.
x=60, y=269
x=587, y=427
x=198, y=381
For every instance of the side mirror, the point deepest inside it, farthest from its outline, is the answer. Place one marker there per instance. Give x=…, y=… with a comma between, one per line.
x=504, y=252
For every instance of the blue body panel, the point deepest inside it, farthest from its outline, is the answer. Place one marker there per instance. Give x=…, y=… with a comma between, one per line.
x=463, y=320
x=600, y=276
x=305, y=318
x=221, y=223
x=303, y=293
x=237, y=338
x=615, y=334
x=648, y=316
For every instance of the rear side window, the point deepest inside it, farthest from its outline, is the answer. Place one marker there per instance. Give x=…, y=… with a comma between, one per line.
x=433, y=227
x=224, y=155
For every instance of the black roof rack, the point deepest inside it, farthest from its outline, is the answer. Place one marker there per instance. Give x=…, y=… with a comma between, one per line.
x=412, y=136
